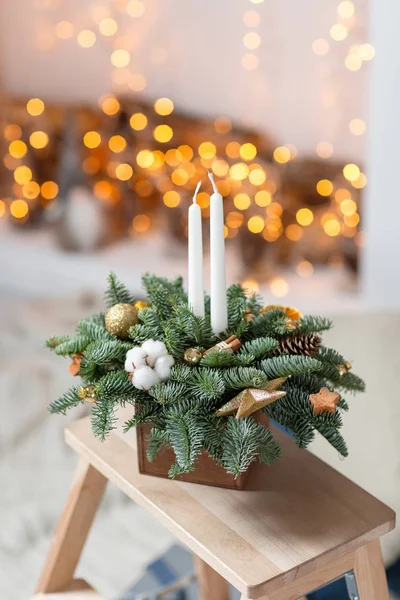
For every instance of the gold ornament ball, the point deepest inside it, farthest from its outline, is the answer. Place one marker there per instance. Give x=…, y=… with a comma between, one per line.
x=120, y=318
x=139, y=304
x=192, y=356
x=87, y=392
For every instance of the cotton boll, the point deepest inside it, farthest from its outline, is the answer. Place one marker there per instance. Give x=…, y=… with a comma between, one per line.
x=135, y=358
x=144, y=378
x=163, y=366
x=154, y=350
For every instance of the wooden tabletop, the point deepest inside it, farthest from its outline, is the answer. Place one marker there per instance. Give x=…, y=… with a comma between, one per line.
x=293, y=517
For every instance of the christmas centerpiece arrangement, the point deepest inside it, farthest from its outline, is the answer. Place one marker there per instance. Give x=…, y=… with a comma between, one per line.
x=204, y=375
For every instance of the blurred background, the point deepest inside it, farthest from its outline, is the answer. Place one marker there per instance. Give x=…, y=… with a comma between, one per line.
x=111, y=112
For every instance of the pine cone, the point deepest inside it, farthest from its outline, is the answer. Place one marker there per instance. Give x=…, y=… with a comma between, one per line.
x=300, y=344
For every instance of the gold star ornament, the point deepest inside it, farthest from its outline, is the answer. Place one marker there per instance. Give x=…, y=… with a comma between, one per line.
x=250, y=400
x=324, y=401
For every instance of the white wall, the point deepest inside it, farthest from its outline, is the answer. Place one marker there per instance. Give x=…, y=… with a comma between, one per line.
x=303, y=99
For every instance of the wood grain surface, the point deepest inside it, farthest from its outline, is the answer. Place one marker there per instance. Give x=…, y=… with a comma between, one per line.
x=293, y=518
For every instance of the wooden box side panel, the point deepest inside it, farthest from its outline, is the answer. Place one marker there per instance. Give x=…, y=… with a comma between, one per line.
x=207, y=471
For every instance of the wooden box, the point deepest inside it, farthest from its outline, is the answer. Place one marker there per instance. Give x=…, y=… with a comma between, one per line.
x=207, y=471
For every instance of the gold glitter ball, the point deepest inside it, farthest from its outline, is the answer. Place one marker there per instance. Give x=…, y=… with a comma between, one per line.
x=120, y=318
x=192, y=356
x=139, y=304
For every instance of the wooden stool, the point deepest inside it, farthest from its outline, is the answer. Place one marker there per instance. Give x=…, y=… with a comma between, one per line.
x=297, y=526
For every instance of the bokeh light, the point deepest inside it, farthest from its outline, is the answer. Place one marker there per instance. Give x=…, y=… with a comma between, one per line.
x=22, y=174
x=357, y=126
x=248, y=151
x=255, y=224
x=163, y=106
x=64, y=30
x=207, y=150
x=320, y=47
x=31, y=190
x=251, y=18
x=324, y=149
x=12, y=132
x=263, y=198
x=141, y=223
x=239, y=171
x=17, y=149
x=304, y=269
x=242, y=201
x=279, y=287
x=233, y=149
x=108, y=27
x=138, y=121
x=124, y=171
x=19, y=209
x=324, y=187
x=282, y=154
x=332, y=227
x=110, y=105
x=163, y=133
x=92, y=139
x=117, y=143
x=86, y=38
x=339, y=32
x=38, y=139
x=120, y=58
x=49, y=190
x=346, y=9
x=351, y=172
x=35, y=106
x=171, y=199
x=135, y=9
x=251, y=40
x=293, y=232
x=304, y=216
x=250, y=62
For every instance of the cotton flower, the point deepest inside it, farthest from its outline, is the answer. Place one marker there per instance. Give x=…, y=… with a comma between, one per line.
x=148, y=364
x=154, y=349
x=135, y=358
x=144, y=378
x=163, y=366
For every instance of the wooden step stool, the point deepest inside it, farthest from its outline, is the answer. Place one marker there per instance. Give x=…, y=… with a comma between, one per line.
x=298, y=525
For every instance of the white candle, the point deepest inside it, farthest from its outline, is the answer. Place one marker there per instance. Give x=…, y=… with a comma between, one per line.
x=219, y=311
x=195, y=258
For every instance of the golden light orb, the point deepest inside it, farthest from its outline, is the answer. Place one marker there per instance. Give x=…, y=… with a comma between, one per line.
x=366, y=51
x=324, y=187
x=348, y=207
x=351, y=172
x=251, y=18
x=110, y=106
x=124, y=172
x=92, y=139
x=282, y=154
x=339, y=32
x=279, y=287
x=186, y=152
x=64, y=30
x=86, y=38
x=257, y=176
x=31, y=190
x=255, y=224
x=346, y=9
x=220, y=168
x=248, y=151
x=35, y=106
x=171, y=199
x=120, y=58
x=304, y=269
x=353, y=62
x=304, y=216
x=19, y=209
x=251, y=40
x=22, y=174
x=294, y=232
x=207, y=150
x=242, y=201
x=163, y=133
x=250, y=62
x=12, y=132
x=222, y=125
x=17, y=149
x=320, y=47
x=239, y=171
x=357, y=126
x=108, y=27
x=179, y=176
x=117, y=143
x=163, y=106
x=234, y=219
x=233, y=150
x=332, y=227
x=141, y=223
x=38, y=139
x=324, y=149
x=49, y=190
x=135, y=9
x=138, y=121
x=263, y=198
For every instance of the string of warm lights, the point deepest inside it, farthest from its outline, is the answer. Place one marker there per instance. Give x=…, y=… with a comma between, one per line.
x=252, y=184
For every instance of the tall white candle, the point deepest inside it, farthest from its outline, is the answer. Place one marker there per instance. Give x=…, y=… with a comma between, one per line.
x=219, y=311
x=195, y=258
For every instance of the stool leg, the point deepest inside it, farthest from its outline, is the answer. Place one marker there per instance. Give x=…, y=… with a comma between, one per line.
x=370, y=572
x=211, y=585
x=73, y=528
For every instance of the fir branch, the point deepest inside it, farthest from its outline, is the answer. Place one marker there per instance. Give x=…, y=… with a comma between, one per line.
x=240, y=445
x=68, y=400
x=256, y=349
x=117, y=292
x=145, y=413
x=213, y=428
x=105, y=351
x=168, y=392
x=268, y=448
x=239, y=378
x=103, y=417
x=156, y=440
x=73, y=345
x=207, y=384
x=186, y=439
x=94, y=330
x=56, y=340
x=286, y=365
x=272, y=323
x=218, y=358
x=351, y=382
x=116, y=386
x=309, y=324
x=180, y=372
x=329, y=355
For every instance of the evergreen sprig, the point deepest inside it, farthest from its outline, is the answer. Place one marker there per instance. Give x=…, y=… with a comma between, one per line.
x=182, y=409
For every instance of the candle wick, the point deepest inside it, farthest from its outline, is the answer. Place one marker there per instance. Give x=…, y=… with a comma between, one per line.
x=196, y=192
x=211, y=178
